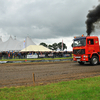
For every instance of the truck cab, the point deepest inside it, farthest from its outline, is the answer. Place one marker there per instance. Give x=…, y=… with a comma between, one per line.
x=86, y=49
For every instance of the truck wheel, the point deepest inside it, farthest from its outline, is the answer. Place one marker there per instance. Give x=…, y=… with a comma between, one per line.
x=81, y=63
x=94, y=60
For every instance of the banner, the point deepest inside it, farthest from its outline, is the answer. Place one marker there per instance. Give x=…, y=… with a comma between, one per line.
x=3, y=62
x=42, y=56
x=50, y=55
x=67, y=55
x=32, y=56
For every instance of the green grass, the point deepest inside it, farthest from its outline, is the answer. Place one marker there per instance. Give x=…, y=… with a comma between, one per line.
x=35, y=59
x=83, y=89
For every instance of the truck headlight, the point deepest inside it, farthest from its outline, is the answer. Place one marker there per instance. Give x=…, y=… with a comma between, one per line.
x=84, y=56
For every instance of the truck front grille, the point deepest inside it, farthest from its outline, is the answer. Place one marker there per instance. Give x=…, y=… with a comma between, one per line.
x=79, y=51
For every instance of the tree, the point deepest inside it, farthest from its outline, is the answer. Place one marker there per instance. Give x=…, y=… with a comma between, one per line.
x=44, y=44
x=50, y=47
x=55, y=46
x=60, y=46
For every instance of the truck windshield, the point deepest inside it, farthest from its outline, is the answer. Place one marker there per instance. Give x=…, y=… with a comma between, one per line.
x=79, y=42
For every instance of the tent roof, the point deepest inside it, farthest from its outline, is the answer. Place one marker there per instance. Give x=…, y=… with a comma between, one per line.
x=15, y=45
x=35, y=48
x=0, y=40
x=28, y=41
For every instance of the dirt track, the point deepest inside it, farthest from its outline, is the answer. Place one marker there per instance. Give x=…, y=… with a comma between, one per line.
x=21, y=74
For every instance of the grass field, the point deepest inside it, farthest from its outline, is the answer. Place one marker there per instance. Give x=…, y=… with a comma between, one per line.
x=82, y=89
x=35, y=59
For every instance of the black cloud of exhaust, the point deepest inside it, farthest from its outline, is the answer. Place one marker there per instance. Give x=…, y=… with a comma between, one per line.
x=93, y=18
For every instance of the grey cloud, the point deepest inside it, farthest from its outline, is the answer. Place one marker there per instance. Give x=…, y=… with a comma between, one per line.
x=44, y=19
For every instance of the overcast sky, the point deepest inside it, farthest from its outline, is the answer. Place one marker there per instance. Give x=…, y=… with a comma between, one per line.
x=46, y=21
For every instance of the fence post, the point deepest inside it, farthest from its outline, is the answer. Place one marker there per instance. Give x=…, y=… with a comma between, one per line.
x=33, y=79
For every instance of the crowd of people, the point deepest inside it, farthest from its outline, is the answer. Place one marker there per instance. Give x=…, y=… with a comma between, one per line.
x=23, y=55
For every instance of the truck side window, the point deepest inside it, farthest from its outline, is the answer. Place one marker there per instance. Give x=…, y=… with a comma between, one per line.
x=91, y=41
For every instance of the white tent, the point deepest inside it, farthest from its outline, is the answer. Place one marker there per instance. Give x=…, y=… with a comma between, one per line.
x=65, y=49
x=58, y=50
x=35, y=48
x=25, y=45
x=15, y=45
x=0, y=40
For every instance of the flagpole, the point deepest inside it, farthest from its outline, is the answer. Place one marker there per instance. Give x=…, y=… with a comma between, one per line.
x=62, y=44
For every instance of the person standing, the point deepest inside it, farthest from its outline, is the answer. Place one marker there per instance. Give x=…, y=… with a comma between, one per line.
x=13, y=54
x=9, y=55
x=19, y=55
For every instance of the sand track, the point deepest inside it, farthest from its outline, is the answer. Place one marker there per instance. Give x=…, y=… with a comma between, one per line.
x=22, y=74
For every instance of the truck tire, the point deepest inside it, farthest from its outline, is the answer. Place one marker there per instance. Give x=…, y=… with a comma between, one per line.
x=81, y=63
x=94, y=60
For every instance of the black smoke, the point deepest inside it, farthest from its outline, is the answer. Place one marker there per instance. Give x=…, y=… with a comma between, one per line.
x=93, y=18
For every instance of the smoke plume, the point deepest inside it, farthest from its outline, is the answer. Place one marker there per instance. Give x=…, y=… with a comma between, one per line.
x=93, y=18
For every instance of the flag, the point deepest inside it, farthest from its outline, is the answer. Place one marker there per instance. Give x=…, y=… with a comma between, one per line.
x=62, y=45
x=24, y=44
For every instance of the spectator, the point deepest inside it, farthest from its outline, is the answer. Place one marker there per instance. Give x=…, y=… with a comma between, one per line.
x=30, y=53
x=19, y=55
x=9, y=55
x=13, y=54
x=35, y=53
x=0, y=55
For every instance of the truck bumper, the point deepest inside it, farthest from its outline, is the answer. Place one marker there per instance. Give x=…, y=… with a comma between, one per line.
x=80, y=58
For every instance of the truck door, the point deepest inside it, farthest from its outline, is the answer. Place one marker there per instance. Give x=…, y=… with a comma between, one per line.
x=90, y=46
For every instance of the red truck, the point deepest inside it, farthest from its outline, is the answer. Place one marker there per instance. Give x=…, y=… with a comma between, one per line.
x=86, y=49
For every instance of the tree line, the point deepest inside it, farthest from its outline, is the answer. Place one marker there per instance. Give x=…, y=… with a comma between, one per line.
x=55, y=46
